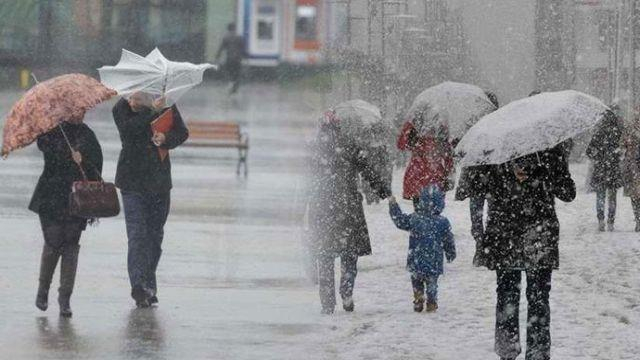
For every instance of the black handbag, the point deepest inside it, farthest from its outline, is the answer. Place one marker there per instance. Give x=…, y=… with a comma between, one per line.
x=92, y=199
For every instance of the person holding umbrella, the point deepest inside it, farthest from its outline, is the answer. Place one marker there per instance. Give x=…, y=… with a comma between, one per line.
x=438, y=118
x=52, y=114
x=341, y=152
x=150, y=87
x=144, y=179
x=50, y=201
x=529, y=170
x=431, y=160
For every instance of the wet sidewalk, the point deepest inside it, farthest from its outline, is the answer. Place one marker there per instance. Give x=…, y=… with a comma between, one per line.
x=231, y=280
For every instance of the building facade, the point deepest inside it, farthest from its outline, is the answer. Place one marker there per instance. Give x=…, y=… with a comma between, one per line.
x=90, y=33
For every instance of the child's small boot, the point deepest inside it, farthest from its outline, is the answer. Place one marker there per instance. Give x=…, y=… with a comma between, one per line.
x=347, y=304
x=432, y=306
x=601, y=225
x=418, y=301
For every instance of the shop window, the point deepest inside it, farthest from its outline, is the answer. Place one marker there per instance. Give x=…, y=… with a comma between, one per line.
x=306, y=22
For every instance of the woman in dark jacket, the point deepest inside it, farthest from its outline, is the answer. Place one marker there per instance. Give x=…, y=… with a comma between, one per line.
x=50, y=201
x=522, y=234
x=336, y=214
x=605, y=150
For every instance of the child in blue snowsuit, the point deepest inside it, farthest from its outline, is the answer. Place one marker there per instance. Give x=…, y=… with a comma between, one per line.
x=429, y=241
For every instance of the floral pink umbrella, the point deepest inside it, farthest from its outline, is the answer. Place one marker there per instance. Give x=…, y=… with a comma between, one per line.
x=47, y=104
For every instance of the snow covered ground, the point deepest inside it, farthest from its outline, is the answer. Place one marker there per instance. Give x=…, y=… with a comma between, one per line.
x=231, y=280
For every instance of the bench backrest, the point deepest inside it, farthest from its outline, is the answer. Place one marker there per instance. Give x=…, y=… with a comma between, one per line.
x=214, y=130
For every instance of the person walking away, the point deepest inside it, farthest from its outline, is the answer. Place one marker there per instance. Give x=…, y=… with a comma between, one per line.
x=631, y=168
x=144, y=179
x=233, y=46
x=337, y=223
x=429, y=241
x=522, y=234
x=61, y=230
x=431, y=160
x=604, y=150
x=470, y=179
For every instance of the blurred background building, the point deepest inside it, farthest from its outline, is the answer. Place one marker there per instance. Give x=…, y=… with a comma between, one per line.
x=85, y=34
x=385, y=51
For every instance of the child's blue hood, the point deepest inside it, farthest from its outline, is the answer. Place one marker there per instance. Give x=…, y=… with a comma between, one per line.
x=431, y=201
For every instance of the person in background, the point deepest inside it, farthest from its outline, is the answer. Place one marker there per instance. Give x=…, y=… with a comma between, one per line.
x=631, y=166
x=605, y=150
x=337, y=222
x=429, y=241
x=144, y=179
x=233, y=45
x=431, y=160
x=61, y=230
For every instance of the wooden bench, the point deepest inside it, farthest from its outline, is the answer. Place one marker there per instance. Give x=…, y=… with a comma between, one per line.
x=220, y=135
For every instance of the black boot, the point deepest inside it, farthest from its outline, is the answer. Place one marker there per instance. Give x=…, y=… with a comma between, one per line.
x=347, y=304
x=68, y=267
x=48, y=262
x=141, y=296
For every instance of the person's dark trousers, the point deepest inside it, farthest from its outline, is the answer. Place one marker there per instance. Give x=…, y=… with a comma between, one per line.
x=476, y=209
x=234, y=68
x=62, y=238
x=601, y=196
x=326, y=274
x=507, y=340
x=428, y=283
x=145, y=216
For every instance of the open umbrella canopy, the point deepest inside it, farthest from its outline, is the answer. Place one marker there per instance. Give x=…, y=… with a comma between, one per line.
x=153, y=74
x=361, y=122
x=44, y=106
x=457, y=106
x=529, y=125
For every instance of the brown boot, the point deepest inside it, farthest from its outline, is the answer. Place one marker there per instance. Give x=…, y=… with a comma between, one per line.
x=48, y=263
x=68, y=267
x=432, y=306
x=418, y=301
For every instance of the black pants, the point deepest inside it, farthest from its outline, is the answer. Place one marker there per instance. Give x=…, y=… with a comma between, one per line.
x=326, y=278
x=635, y=203
x=601, y=198
x=234, y=69
x=507, y=342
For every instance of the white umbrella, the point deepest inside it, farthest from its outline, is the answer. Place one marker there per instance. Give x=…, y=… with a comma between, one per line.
x=153, y=74
x=529, y=125
x=361, y=122
x=457, y=106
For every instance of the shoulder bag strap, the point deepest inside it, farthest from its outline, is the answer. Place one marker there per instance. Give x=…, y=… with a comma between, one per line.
x=66, y=139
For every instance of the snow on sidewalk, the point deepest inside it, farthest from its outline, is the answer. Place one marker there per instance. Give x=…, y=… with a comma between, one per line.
x=595, y=296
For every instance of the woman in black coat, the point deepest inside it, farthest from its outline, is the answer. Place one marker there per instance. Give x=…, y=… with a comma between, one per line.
x=50, y=201
x=522, y=234
x=605, y=150
x=336, y=213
